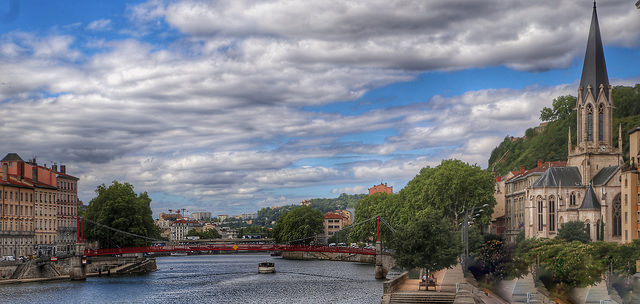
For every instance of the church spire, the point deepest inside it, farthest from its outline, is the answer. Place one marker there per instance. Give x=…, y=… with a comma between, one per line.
x=594, y=70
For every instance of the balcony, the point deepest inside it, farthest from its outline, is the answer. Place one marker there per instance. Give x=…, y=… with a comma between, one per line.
x=17, y=233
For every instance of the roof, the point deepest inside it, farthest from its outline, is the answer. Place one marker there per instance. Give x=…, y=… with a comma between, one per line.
x=590, y=201
x=332, y=215
x=14, y=183
x=12, y=157
x=67, y=176
x=594, y=70
x=604, y=175
x=634, y=130
x=537, y=170
x=559, y=176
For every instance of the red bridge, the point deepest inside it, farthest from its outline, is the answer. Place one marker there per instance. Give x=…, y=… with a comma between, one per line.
x=228, y=247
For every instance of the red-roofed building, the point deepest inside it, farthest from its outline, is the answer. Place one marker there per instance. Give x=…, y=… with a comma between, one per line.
x=382, y=188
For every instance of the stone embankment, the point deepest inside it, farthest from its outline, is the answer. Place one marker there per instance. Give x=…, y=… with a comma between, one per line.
x=72, y=268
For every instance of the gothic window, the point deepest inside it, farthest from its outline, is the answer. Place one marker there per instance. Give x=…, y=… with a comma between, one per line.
x=589, y=123
x=588, y=228
x=552, y=214
x=616, y=217
x=572, y=199
x=601, y=122
x=540, y=215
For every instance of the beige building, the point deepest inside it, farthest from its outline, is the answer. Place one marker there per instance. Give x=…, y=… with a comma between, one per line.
x=631, y=190
x=588, y=188
x=16, y=217
x=333, y=222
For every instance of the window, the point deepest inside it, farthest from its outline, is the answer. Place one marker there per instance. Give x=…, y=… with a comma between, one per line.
x=601, y=122
x=552, y=214
x=616, y=217
x=540, y=216
x=589, y=123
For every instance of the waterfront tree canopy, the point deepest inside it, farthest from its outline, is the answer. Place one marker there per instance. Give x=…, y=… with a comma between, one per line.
x=205, y=235
x=430, y=241
x=298, y=226
x=451, y=188
x=119, y=207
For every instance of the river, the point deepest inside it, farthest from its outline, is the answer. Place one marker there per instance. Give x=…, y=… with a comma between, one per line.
x=214, y=279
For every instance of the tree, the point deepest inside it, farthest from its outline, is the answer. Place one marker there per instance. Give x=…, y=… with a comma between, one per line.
x=574, y=231
x=209, y=234
x=387, y=205
x=298, y=226
x=452, y=187
x=562, y=108
x=118, y=206
x=429, y=241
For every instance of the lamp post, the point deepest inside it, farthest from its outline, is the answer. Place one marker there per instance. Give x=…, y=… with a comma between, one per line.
x=466, y=222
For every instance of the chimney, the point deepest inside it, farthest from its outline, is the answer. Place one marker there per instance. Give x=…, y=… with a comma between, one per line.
x=521, y=170
x=539, y=163
x=5, y=171
x=54, y=167
x=21, y=170
x=63, y=169
x=34, y=174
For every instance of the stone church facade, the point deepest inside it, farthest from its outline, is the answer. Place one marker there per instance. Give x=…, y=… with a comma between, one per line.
x=588, y=188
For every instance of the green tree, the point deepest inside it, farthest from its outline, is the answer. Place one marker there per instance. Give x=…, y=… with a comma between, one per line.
x=429, y=242
x=562, y=107
x=119, y=207
x=388, y=206
x=298, y=226
x=209, y=234
x=453, y=187
x=574, y=231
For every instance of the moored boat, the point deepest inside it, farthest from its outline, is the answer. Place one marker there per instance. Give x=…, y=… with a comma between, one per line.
x=266, y=267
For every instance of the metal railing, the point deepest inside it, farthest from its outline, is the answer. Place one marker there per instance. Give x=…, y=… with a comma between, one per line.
x=228, y=247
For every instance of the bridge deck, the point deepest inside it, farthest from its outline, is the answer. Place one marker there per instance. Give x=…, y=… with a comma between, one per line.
x=227, y=247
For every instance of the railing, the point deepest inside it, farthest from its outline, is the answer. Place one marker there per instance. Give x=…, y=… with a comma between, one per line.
x=228, y=247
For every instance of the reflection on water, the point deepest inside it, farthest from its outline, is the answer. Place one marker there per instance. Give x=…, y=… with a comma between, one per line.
x=215, y=279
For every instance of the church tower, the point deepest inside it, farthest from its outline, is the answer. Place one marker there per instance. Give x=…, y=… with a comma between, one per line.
x=594, y=148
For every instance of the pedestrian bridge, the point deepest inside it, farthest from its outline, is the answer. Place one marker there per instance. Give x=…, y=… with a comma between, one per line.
x=228, y=247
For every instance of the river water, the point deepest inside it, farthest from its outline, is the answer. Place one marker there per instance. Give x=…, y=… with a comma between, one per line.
x=214, y=279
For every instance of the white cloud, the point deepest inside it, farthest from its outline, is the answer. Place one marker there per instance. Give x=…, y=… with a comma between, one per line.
x=99, y=25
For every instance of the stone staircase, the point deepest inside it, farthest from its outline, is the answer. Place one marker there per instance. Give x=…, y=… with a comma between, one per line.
x=593, y=294
x=412, y=297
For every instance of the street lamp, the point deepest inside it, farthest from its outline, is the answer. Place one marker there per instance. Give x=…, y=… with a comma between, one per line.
x=466, y=222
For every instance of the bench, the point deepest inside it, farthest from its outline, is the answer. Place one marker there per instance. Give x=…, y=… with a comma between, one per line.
x=426, y=285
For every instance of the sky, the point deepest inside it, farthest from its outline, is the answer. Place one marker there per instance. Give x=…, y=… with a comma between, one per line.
x=232, y=106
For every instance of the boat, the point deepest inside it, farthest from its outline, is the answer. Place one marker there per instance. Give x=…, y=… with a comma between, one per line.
x=266, y=267
x=276, y=253
x=178, y=253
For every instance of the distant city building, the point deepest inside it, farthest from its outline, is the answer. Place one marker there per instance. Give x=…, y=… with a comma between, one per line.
x=222, y=217
x=249, y=216
x=333, y=222
x=382, y=188
x=180, y=229
x=305, y=203
x=201, y=216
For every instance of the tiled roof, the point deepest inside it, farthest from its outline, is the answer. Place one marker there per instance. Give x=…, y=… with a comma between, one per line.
x=604, y=175
x=559, y=176
x=332, y=215
x=12, y=157
x=590, y=201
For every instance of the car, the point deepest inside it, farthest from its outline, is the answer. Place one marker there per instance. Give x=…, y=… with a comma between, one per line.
x=342, y=244
x=332, y=244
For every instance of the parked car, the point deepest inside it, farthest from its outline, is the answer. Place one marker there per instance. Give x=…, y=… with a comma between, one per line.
x=332, y=244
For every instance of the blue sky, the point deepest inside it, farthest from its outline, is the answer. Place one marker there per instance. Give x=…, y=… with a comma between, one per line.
x=231, y=106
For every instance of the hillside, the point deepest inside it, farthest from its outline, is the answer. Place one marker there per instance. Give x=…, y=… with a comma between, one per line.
x=549, y=143
x=344, y=201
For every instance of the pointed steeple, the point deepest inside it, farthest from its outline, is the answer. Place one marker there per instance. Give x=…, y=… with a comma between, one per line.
x=594, y=70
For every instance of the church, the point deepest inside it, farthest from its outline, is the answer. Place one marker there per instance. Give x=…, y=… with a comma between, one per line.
x=588, y=187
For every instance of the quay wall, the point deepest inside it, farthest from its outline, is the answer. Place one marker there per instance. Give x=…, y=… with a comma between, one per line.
x=331, y=256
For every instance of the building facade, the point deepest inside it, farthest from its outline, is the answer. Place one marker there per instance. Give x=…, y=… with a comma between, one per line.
x=382, y=188
x=631, y=191
x=333, y=222
x=180, y=229
x=67, y=216
x=587, y=189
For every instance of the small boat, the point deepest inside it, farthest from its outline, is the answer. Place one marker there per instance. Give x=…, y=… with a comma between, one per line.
x=266, y=267
x=178, y=253
x=276, y=253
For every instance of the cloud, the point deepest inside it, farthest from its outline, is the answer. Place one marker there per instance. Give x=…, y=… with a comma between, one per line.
x=99, y=25
x=239, y=109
